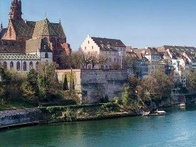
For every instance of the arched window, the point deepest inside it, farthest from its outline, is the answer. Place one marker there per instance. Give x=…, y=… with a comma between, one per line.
x=46, y=55
x=11, y=65
x=18, y=66
x=24, y=66
x=31, y=65
x=37, y=63
x=5, y=65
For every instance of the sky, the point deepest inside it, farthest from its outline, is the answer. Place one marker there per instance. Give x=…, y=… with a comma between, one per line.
x=137, y=23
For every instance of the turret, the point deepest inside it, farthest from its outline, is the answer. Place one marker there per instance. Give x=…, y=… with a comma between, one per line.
x=16, y=10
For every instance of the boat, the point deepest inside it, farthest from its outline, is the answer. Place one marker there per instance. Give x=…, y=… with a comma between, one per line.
x=154, y=113
x=182, y=105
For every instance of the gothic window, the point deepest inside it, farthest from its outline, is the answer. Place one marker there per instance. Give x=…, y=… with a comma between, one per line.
x=18, y=66
x=5, y=65
x=31, y=65
x=37, y=63
x=24, y=66
x=46, y=55
x=11, y=65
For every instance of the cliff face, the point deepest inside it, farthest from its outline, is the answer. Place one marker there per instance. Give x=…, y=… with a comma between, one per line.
x=19, y=117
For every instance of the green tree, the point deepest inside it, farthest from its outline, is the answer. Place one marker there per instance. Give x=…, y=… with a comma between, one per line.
x=30, y=87
x=191, y=81
x=126, y=99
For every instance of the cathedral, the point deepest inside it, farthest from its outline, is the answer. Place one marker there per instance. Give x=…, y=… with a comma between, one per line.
x=24, y=44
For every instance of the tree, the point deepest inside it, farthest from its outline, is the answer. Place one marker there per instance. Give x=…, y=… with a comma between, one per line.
x=47, y=81
x=191, y=81
x=82, y=59
x=126, y=99
x=158, y=84
x=30, y=87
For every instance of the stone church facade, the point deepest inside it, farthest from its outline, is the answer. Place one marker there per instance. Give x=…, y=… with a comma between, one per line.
x=24, y=44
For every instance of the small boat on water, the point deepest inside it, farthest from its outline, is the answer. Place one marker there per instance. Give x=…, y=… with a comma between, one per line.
x=154, y=113
x=182, y=105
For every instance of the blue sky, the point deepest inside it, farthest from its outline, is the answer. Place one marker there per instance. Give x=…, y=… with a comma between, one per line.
x=138, y=23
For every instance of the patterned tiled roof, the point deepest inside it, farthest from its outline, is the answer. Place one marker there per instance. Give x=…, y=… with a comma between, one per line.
x=23, y=28
x=33, y=45
x=19, y=57
x=8, y=46
x=108, y=44
x=45, y=28
x=2, y=32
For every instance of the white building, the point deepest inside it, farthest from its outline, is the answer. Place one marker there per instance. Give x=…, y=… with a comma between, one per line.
x=23, y=62
x=112, y=50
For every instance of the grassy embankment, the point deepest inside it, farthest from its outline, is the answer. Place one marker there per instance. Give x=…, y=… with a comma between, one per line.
x=85, y=112
x=14, y=104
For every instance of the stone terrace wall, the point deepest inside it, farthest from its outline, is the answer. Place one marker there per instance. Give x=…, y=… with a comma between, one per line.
x=20, y=117
x=92, y=85
x=98, y=84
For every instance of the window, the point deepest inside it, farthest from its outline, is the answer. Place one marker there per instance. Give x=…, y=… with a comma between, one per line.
x=92, y=47
x=10, y=31
x=5, y=65
x=110, y=59
x=25, y=66
x=85, y=47
x=31, y=65
x=37, y=63
x=88, y=42
x=18, y=66
x=11, y=65
x=46, y=55
x=89, y=66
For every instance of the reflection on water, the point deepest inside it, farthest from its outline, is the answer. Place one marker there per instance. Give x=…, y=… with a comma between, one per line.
x=176, y=128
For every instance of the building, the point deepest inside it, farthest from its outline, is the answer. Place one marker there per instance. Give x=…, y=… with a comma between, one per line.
x=23, y=44
x=109, y=53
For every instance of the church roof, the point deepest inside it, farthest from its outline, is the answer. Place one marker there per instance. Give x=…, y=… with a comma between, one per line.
x=23, y=28
x=33, y=45
x=45, y=28
x=8, y=46
x=108, y=44
x=2, y=32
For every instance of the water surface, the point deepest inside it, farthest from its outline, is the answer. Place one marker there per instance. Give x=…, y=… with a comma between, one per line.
x=176, y=129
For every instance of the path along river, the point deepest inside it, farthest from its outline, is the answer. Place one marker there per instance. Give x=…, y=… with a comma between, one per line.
x=176, y=129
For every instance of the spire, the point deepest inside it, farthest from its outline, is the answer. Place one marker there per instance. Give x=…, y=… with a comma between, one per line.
x=1, y=27
x=16, y=10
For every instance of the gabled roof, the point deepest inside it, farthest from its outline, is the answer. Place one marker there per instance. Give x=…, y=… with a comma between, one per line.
x=45, y=28
x=23, y=28
x=33, y=45
x=108, y=44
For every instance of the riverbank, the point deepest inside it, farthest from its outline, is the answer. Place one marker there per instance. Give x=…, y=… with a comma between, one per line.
x=56, y=114
x=20, y=117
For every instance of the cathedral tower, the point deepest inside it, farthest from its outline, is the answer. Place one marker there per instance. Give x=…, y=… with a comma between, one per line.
x=15, y=10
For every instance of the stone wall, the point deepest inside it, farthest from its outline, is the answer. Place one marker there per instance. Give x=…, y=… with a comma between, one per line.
x=93, y=85
x=19, y=117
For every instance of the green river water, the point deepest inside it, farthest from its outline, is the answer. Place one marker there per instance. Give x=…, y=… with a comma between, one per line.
x=176, y=129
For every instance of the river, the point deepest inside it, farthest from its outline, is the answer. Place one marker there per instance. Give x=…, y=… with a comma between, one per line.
x=176, y=129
